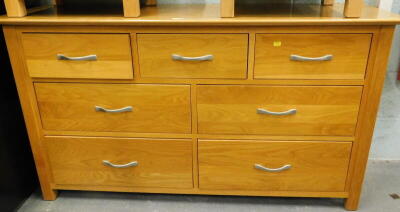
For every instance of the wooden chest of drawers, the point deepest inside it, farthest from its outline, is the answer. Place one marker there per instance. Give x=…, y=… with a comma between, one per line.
x=259, y=110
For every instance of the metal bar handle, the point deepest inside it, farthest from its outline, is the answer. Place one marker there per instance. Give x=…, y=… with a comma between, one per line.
x=301, y=58
x=121, y=110
x=131, y=164
x=84, y=58
x=267, y=112
x=201, y=58
x=263, y=168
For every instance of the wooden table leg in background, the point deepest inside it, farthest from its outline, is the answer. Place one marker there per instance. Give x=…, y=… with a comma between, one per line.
x=353, y=8
x=15, y=8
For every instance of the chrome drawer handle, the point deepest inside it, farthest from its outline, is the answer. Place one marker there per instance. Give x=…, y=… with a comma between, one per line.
x=201, y=58
x=121, y=110
x=263, y=168
x=131, y=164
x=301, y=58
x=267, y=112
x=84, y=58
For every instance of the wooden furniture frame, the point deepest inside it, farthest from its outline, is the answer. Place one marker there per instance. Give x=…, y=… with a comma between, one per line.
x=22, y=35
x=353, y=8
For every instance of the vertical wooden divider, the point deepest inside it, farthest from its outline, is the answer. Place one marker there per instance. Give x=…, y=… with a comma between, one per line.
x=15, y=8
x=227, y=8
x=353, y=8
x=131, y=8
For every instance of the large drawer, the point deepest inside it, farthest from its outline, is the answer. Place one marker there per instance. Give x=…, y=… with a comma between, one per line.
x=278, y=110
x=311, y=56
x=141, y=108
x=193, y=55
x=121, y=162
x=98, y=56
x=273, y=166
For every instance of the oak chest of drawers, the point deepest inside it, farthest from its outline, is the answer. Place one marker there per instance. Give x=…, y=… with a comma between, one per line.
x=237, y=107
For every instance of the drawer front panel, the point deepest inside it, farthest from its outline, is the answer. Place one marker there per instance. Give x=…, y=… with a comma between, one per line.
x=72, y=55
x=196, y=55
x=273, y=166
x=141, y=108
x=307, y=56
x=148, y=163
x=278, y=110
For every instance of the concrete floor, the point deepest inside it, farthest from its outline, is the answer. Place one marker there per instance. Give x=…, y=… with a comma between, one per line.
x=383, y=179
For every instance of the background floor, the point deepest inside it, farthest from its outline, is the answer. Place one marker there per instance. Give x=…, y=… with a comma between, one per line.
x=381, y=181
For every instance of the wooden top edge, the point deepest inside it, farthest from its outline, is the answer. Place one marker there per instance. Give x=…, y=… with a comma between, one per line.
x=208, y=14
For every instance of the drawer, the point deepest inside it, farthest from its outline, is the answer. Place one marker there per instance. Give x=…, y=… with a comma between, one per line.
x=193, y=55
x=120, y=162
x=97, y=56
x=311, y=56
x=278, y=110
x=141, y=108
x=273, y=166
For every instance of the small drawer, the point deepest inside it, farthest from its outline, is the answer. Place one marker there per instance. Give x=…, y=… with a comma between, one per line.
x=91, y=56
x=273, y=166
x=121, y=162
x=193, y=55
x=278, y=110
x=140, y=108
x=311, y=56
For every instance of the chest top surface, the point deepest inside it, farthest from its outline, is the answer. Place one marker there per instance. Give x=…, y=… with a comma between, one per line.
x=207, y=14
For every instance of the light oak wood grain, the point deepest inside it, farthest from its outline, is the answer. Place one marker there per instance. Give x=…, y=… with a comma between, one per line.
x=156, y=108
x=360, y=82
x=205, y=136
x=229, y=52
x=332, y=103
x=321, y=110
x=353, y=8
x=15, y=8
x=349, y=51
x=227, y=8
x=113, y=52
x=369, y=109
x=316, y=166
x=196, y=29
x=131, y=8
x=30, y=110
x=161, y=163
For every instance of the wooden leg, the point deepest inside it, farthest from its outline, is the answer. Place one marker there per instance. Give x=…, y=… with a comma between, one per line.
x=351, y=204
x=131, y=8
x=328, y=2
x=151, y=2
x=370, y=104
x=353, y=8
x=26, y=92
x=15, y=8
x=49, y=195
x=227, y=8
